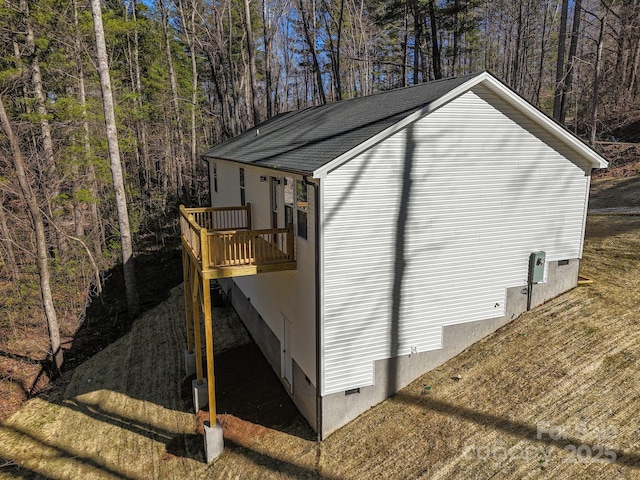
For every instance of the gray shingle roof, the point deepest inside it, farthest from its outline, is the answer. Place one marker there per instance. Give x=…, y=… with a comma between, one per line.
x=304, y=140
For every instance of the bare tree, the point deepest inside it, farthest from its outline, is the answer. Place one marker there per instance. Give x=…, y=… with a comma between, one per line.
x=50, y=182
x=178, y=139
x=37, y=224
x=597, y=78
x=557, y=100
x=312, y=49
x=133, y=302
x=435, y=48
x=267, y=34
x=573, y=46
x=189, y=27
x=98, y=233
x=255, y=108
x=7, y=242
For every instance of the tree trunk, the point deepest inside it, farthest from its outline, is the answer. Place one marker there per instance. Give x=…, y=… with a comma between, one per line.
x=255, y=106
x=178, y=139
x=10, y=256
x=335, y=52
x=557, y=100
x=190, y=33
x=573, y=47
x=634, y=71
x=435, y=48
x=314, y=56
x=596, y=81
x=516, y=66
x=142, y=126
x=50, y=180
x=97, y=237
x=133, y=303
x=417, y=40
x=233, y=98
x=194, y=104
x=268, y=37
x=41, y=242
x=456, y=37
x=405, y=46
x=543, y=51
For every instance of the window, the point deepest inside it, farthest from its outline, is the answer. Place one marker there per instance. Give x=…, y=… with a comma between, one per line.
x=215, y=176
x=288, y=201
x=301, y=207
x=288, y=190
x=243, y=199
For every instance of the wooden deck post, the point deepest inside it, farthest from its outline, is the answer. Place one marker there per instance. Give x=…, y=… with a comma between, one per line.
x=248, y=207
x=186, y=268
x=195, y=308
x=208, y=333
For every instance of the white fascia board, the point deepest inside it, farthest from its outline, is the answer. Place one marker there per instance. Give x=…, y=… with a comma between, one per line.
x=559, y=132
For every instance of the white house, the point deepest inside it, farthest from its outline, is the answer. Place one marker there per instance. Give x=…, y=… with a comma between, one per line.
x=415, y=213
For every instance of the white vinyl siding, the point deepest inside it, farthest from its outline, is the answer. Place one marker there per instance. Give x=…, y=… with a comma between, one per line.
x=487, y=188
x=228, y=193
x=289, y=293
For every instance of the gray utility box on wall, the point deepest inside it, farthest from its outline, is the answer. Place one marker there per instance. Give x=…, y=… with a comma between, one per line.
x=536, y=267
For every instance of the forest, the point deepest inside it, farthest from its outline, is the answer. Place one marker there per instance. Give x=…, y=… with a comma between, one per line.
x=105, y=108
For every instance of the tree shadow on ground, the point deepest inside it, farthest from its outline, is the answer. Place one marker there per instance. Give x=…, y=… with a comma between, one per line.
x=176, y=444
x=624, y=192
x=606, y=226
x=275, y=465
x=106, y=317
x=60, y=453
x=10, y=468
x=521, y=429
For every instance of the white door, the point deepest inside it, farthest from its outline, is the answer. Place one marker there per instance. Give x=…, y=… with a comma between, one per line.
x=287, y=364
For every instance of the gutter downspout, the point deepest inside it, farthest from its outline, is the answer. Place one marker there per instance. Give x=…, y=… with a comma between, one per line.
x=316, y=199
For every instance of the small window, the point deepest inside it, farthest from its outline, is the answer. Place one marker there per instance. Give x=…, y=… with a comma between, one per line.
x=215, y=176
x=243, y=199
x=301, y=207
x=288, y=190
x=288, y=200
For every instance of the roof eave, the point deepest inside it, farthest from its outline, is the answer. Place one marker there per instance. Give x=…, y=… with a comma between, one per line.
x=304, y=173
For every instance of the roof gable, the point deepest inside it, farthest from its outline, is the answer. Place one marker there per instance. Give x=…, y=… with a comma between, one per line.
x=316, y=140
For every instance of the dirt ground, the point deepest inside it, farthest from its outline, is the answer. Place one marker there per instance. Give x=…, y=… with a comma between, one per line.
x=554, y=394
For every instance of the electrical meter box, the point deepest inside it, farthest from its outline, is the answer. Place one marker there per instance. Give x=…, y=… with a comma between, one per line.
x=536, y=267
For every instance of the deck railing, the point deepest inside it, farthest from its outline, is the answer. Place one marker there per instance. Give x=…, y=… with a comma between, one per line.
x=221, y=237
x=222, y=218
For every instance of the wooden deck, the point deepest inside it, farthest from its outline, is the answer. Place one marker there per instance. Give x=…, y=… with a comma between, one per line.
x=222, y=244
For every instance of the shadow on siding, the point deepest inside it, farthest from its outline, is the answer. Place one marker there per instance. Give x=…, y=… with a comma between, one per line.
x=399, y=263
